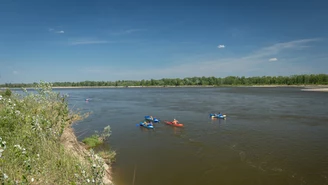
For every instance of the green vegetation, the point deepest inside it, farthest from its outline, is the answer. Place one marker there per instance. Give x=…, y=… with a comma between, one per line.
x=6, y=93
x=96, y=139
x=108, y=155
x=32, y=151
x=92, y=141
x=313, y=79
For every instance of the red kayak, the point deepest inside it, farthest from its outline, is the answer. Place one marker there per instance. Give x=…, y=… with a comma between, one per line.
x=173, y=124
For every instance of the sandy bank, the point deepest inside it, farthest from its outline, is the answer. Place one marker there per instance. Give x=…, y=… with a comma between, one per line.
x=69, y=140
x=197, y=86
x=316, y=89
x=83, y=87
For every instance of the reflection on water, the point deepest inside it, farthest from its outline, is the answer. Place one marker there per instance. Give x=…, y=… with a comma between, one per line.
x=271, y=135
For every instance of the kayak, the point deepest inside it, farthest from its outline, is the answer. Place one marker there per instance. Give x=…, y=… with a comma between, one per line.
x=220, y=116
x=147, y=126
x=176, y=125
x=155, y=120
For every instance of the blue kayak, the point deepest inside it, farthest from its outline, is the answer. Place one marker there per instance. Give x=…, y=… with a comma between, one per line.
x=155, y=120
x=147, y=126
x=219, y=116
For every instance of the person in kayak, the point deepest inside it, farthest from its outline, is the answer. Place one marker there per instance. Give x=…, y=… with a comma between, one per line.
x=148, y=123
x=219, y=114
x=175, y=121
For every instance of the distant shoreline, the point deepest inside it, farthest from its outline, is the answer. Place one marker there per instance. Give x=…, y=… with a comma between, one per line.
x=307, y=87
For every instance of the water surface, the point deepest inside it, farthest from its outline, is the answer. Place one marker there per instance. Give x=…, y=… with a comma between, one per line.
x=271, y=135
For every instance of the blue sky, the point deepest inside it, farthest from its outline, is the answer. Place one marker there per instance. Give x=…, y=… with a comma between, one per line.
x=77, y=40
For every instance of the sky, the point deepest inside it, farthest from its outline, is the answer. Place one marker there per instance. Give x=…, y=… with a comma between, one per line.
x=108, y=40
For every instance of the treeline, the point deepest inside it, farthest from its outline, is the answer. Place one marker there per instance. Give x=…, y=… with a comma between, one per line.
x=313, y=79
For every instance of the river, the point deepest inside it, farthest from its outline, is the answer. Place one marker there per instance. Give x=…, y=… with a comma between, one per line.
x=271, y=135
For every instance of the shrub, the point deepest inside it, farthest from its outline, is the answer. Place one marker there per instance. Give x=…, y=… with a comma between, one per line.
x=6, y=93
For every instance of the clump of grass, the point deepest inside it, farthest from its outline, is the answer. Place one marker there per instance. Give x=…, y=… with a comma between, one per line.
x=31, y=126
x=98, y=139
x=92, y=141
x=108, y=156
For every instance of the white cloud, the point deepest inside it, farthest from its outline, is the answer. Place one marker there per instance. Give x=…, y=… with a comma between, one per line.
x=55, y=31
x=251, y=64
x=273, y=59
x=133, y=30
x=129, y=31
x=281, y=47
x=221, y=46
x=85, y=42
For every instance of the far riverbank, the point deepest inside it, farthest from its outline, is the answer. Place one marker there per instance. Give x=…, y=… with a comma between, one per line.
x=313, y=87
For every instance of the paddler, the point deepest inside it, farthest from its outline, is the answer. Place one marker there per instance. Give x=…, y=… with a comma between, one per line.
x=175, y=121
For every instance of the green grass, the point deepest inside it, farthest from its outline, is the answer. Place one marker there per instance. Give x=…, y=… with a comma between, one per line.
x=31, y=127
x=96, y=139
x=108, y=156
x=92, y=141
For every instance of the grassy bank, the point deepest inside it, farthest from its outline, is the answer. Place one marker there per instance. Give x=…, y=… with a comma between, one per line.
x=38, y=145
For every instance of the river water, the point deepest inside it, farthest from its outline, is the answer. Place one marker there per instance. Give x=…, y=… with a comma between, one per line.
x=272, y=136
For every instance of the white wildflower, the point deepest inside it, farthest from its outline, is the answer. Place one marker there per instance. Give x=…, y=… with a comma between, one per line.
x=93, y=180
x=38, y=155
x=1, y=150
x=14, y=104
x=5, y=176
x=24, y=152
x=94, y=165
x=83, y=171
x=88, y=180
x=18, y=146
x=0, y=97
x=17, y=112
x=32, y=180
